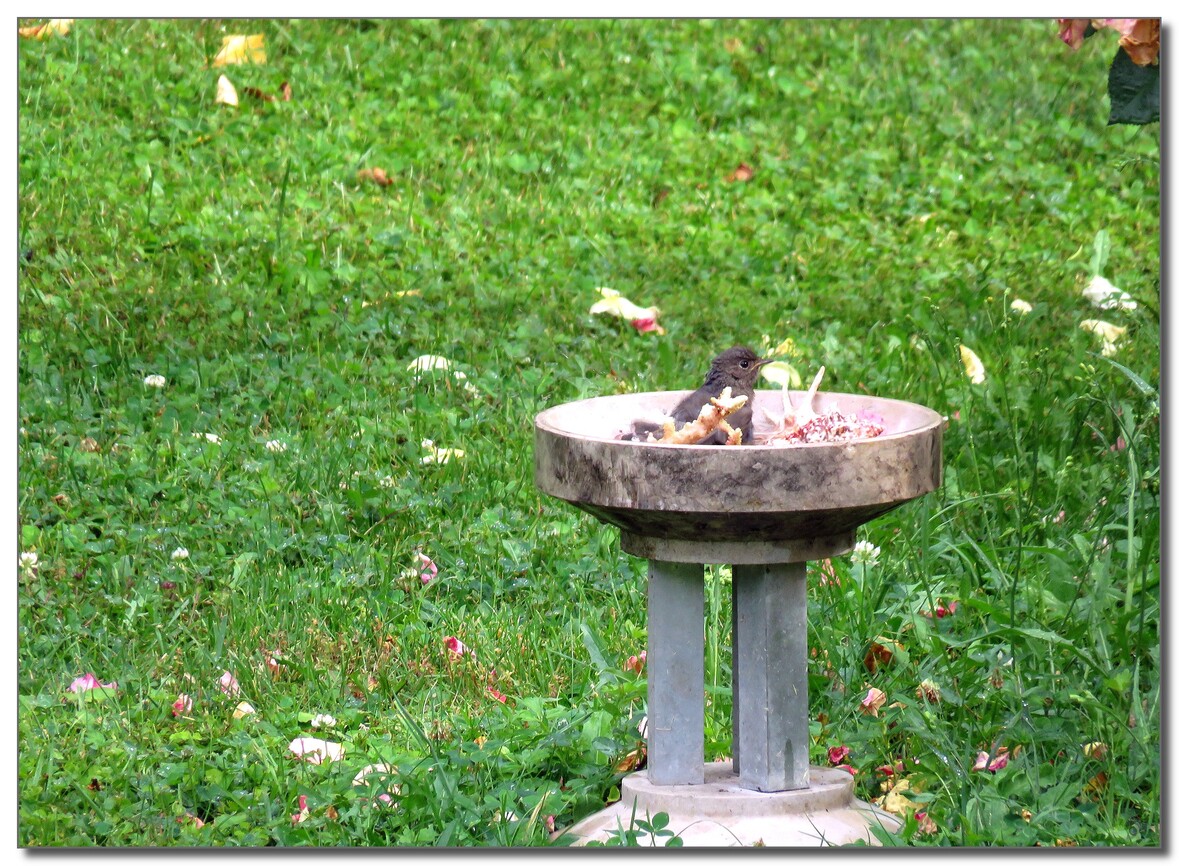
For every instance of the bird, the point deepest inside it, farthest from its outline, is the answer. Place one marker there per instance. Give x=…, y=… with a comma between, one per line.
x=736, y=368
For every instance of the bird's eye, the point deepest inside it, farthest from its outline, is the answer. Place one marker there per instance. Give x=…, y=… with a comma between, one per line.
x=744, y=365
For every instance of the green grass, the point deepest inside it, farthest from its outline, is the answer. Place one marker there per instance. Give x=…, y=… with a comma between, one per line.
x=910, y=179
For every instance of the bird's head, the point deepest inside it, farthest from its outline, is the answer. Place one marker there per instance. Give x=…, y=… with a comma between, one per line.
x=737, y=367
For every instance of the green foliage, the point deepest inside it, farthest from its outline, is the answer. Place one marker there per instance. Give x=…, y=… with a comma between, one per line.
x=910, y=179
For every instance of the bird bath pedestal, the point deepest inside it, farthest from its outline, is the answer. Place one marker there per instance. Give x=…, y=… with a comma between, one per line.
x=766, y=511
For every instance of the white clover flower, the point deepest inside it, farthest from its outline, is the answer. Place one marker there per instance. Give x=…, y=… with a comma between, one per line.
x=323, y=720
x=208, y=437
x=155, y=380
x=276, y=445
x=29, y=561
x=1020, y=306
x=387, y=481
x=1105, y=295
x=865, y=553
x=180, y=553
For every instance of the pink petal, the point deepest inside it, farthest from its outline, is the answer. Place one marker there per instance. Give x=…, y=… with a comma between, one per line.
x=228, y=685
x=456, y=646
x=644, y=326
x=847, y=768
x=999, y=762
x=89, y=681
x=837, y=754
x=980, y=763
x=1072, y=31
x=429, y=569
x=182, y=705
x=497, y=695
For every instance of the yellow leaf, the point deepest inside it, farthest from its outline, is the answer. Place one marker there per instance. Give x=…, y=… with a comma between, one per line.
x=226, y=94
x=53, y=27
x=241, y=49
x=781, y=373
x=973, y=364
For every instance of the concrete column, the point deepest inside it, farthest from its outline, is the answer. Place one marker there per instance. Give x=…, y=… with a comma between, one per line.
x=770, y=734
x=675, y=673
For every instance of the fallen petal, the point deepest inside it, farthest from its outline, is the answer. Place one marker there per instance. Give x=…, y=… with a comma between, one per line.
x=973, y=364
x=316, y=751
x=241, y=49
x=242, y=710
x=226, y=93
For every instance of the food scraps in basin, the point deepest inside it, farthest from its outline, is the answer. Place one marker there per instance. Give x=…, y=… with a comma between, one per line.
x=802, y=424
x=711, y=418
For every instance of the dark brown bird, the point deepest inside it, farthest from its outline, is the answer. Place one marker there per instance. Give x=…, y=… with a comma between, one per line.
x=736, y=368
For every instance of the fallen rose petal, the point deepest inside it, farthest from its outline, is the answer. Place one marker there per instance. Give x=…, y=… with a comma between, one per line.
x=973, y=365
x=456, y=646
x=228, y=685
x=980, y=762
x=304, y=813
x=837, y=754
x=1096, y=751
x=999, y=761
x=242, y=710
x=226, y=92
x=1072, y=31
x=1104, y=295
x=183, y=704
x=88, y=681
x=52, y=27
x=872, y=702
x=741, y=173
x=495, y=693
x=635, y=664
x=429, y=568
x=847, y=768
x=614, y=304
x=241, y=49
x=315, y=751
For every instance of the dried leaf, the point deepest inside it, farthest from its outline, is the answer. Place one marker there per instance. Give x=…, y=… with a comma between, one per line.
x=880, y=653
x=226, y=94
x=285, y=89
x=52, y=27
x=241, y=49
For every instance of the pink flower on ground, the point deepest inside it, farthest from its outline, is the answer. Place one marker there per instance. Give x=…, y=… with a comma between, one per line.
x=495, y=693
x=182, y=705
x=837, y=754
x=872, y=702
x=847, y=768
x=304, y=813
x=890, y=769
x=86, y=682
x=550, y=823
x=943, y=610
x=457, y=647
x=644, y=326
x=1119, y=445
x=228, y=685
x=985, y=762
x=429, y=569
x=635, y=664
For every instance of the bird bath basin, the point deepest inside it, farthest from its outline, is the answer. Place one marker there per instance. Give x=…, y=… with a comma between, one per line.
x=766, y=510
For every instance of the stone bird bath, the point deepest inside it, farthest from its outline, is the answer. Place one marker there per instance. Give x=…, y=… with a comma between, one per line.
x=765, y=510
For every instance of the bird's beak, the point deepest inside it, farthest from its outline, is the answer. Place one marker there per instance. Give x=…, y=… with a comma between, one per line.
x=761, y=362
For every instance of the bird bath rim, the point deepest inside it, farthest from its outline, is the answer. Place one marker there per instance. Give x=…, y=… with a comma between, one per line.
x=681, y=501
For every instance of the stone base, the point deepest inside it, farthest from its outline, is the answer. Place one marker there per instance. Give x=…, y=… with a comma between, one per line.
x=720, y=813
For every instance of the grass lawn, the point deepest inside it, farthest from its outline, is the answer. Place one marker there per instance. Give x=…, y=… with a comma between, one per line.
x=253, y=528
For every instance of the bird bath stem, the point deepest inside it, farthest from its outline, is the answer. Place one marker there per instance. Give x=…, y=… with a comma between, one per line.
x=766, y=510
